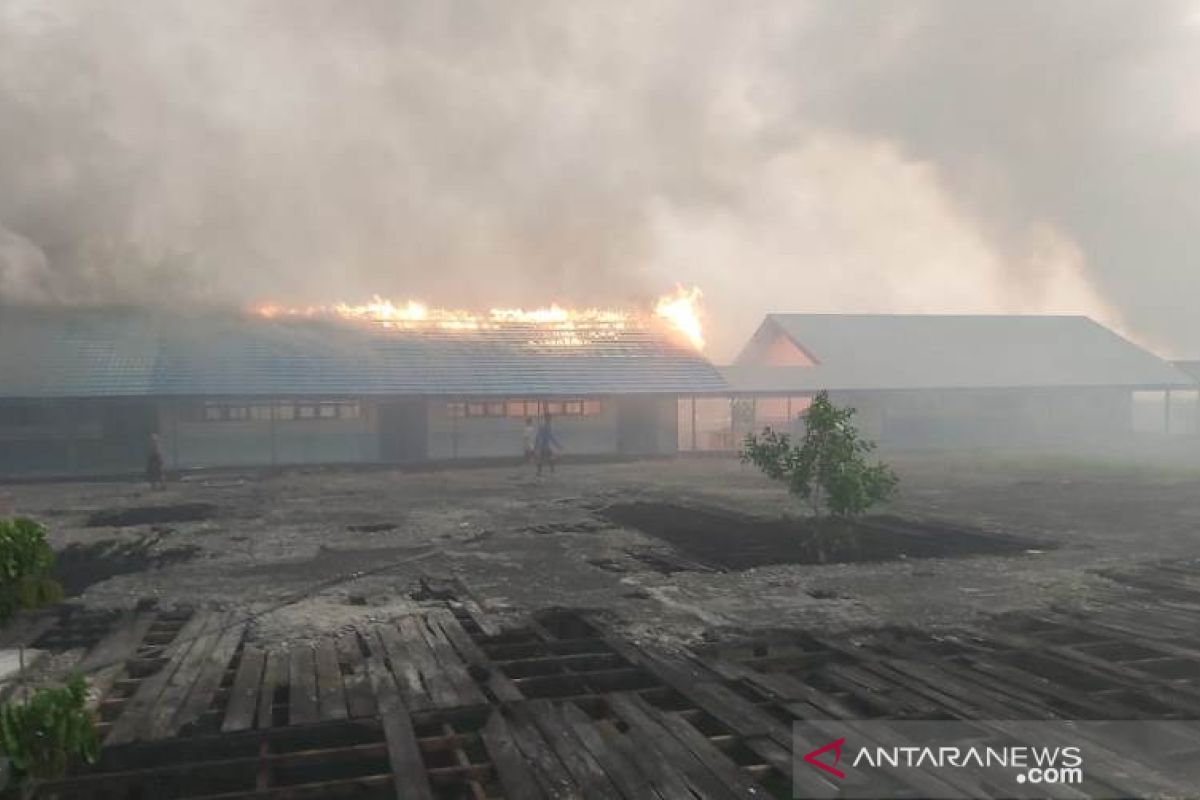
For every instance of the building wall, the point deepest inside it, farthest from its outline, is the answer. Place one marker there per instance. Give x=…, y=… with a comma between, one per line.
x=452, y=437
x=990, y=416
x=64, y=436
x=190, y=441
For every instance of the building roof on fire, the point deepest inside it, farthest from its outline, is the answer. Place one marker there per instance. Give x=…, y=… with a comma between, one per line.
x=809, y=352
x=110, y=352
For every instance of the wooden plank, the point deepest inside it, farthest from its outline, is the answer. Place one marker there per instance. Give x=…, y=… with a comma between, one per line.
x=512, y=769
x=106, y=662
x=442, y=693
x=128, y=725
x=488, y=625
x=466, y=691
x=360, y=699
x=211, y=674
x=404, y=754
x=303, y=706
x=620, y=770
x=582, y=765
x=500, y=685
x=275, y=675
x=549, y=772
x=408, y=676
x=702, y=687
x=331, y=694
x=120, y=644
x=179, y=685
x=243, y=697
x=636, y=714
x=666, y=781
x=727, y=772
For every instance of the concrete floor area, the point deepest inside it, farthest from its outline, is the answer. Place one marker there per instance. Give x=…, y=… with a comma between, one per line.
x=315, y=551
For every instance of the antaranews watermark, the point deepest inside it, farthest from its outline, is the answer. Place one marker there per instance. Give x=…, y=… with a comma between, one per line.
x=955, y=759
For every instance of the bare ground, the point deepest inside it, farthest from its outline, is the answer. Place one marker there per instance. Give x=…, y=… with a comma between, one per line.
x=314, y=550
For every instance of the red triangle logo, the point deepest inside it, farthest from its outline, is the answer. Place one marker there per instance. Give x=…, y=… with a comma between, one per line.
x=813, y=758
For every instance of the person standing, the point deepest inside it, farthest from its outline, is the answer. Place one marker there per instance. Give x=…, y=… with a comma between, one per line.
x=530, y=439
x=545, y=445
x=155, y=474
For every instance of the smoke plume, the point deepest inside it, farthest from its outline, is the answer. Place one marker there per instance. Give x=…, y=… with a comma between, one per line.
x=837, y=156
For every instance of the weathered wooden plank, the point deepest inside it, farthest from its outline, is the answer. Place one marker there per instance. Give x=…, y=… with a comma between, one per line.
x=624, y=774
x=120, y=644
x=159, y=722
x=488, y=625
x=132, y=720
x=211, y=674
x=331, y=694
x=548, y=770
x=408, y=767
x=360, y=699
x=637, y=716
x=500, y=685
x=243, y=697
x=442, y=693
x=106, y=662
x=512, y=768
x=580, y=763
x=408, y=676
x=727, y=772
x=275, y=675
x=303, y=706
x=665, y=779
x=466, y=692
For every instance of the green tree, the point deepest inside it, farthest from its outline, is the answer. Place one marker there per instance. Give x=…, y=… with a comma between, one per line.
x=829, y=468
x=26, y=560
x=39, y=734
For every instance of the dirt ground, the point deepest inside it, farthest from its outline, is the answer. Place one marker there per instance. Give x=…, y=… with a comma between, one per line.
x=311, y=551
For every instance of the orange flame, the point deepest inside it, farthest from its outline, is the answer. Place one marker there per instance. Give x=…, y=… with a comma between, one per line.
x=680, y=310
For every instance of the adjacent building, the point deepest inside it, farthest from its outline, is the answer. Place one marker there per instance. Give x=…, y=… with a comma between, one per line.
x=930, y=380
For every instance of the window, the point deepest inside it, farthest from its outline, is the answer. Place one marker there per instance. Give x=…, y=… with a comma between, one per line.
x=327, y=411
x=522, y=408
x=260, y=413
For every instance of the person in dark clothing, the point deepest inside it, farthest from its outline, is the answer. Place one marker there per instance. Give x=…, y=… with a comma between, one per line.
x=545, y=444
x=155, y=474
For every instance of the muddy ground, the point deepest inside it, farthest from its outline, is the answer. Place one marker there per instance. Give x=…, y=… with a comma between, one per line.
x=311, y=551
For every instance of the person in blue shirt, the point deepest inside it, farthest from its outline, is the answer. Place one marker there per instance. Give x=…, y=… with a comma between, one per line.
x=545, y=444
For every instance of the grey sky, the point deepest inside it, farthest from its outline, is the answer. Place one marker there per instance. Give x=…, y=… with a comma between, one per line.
x=836, y=156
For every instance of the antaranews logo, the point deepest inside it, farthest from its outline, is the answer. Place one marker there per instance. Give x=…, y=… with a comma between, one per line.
x=835, y=747
x=939, y=759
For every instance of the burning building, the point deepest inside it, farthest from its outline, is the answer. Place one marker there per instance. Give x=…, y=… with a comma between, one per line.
x=81, y=390
x=920, y=380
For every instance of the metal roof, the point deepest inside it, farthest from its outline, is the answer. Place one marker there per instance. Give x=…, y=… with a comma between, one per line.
x=133, y=352
x=1190, y=367
x=873, y=351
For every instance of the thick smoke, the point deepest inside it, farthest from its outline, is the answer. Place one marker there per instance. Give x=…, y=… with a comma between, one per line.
x=938, y=156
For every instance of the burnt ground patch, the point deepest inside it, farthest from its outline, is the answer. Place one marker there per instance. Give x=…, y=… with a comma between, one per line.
x=727, y=540
x=151, y=515
x=80, y=565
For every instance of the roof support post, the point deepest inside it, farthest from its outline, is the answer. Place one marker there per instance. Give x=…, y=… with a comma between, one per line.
x=693, y=423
